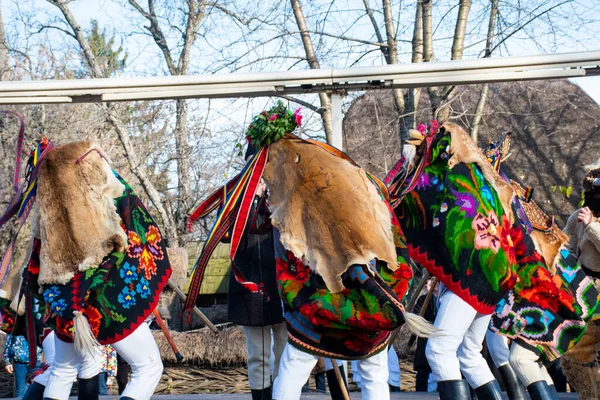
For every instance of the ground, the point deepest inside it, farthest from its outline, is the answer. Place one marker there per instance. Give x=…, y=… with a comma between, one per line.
x=353, y=396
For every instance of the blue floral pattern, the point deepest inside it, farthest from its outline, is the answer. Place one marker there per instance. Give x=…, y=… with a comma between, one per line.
x=127, y=297
x=128, y=272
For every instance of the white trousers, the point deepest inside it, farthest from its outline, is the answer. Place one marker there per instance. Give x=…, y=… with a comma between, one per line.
x=296, y=366
x=393, y=369
x=498, y=347
x=459, y=347
x=258, y=344
x=138, y=349
x=49, y=351
x=526, y=365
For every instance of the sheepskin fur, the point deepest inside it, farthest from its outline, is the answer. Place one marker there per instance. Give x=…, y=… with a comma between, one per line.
x=78, y=220
x=463, y=149
x=548, y=242
x=327, y=210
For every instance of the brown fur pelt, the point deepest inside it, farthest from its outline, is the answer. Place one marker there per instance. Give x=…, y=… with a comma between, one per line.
x=327, y=210
x=547, y=236
x=463, y=149
x=78, y=220
x=583, y=378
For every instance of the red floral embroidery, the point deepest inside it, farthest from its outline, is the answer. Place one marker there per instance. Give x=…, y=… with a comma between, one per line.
x=146, y=252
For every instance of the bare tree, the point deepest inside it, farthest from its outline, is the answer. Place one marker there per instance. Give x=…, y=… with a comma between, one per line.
x=488, y=52
x=194, y=14
x=135, y=164
x=438, y=96
x=313, y=62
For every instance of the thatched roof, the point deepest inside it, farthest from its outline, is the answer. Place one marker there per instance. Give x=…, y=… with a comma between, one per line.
x=555, y=127
x=202, y=346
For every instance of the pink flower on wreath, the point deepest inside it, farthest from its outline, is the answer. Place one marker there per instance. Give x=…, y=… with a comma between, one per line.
x=298, y=117
x=487, y=232
x=423, y=129
x=273, y=117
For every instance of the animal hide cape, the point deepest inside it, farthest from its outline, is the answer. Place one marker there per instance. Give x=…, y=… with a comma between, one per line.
x=118, y=294
x=327, y=210
x=78, y=222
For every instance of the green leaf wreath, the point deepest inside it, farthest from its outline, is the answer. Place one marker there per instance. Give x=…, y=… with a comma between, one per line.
x=270, y=126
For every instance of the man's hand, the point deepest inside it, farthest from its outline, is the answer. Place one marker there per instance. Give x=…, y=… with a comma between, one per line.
x=585, y=215
x=9, y=368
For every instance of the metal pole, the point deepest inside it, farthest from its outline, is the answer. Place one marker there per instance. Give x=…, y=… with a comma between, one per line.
x=336, y=120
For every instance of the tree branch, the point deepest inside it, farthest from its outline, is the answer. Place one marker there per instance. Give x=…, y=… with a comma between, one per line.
x=313, y=62
x=384, y=49
x=156, y=32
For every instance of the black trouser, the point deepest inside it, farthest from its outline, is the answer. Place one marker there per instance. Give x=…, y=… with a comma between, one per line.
x=422, y=379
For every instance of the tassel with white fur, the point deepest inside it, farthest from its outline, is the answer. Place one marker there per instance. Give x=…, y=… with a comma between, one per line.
x=420, y=326
x=83, y=338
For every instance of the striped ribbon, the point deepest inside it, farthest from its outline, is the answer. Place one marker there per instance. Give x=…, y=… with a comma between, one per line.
x=235, y=199
x=402, y=179
x=24, y=198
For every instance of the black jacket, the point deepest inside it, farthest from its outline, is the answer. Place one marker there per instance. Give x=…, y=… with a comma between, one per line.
x=255, y=259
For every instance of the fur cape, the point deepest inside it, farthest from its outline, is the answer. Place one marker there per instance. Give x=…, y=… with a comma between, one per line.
x=327, y=210
x=78, y=222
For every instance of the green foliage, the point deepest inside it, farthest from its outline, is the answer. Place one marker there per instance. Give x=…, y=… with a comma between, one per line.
x=567, y=191
x=270, y=126
x=103, y=47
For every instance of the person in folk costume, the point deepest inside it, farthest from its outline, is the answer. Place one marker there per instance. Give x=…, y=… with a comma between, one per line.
x=581, y=364
x=547, y=311
x=259, y=314
x=338, y=271
x=12, y=316
x=452, y=210
x=464, y=226
x=98, y=261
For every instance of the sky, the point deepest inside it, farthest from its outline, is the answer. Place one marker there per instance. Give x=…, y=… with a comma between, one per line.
x=141, y=49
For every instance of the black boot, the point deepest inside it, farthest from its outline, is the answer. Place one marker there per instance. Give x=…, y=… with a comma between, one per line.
x=88, y=389
x=334, y=387
x=541, y=391
x=489, y=391
x=261, y=394
x=514, y=389
x=35, y=391
x=454, y=390
x=473, y=393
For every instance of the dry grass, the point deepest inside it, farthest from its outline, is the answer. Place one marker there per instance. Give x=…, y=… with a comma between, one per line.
x=203, y=347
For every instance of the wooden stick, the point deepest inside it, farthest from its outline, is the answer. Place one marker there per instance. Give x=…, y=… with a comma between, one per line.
x=340, y=379
x=423, y=310
x=411, y=305
x=199, y=313
x=428, y=298
x=165, y=330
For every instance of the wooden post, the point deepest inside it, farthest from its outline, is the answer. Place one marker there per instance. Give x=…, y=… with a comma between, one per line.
x=340, y=379
x=199, y=313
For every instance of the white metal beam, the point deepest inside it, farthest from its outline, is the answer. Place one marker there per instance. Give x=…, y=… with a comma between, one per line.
x=307, y=81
